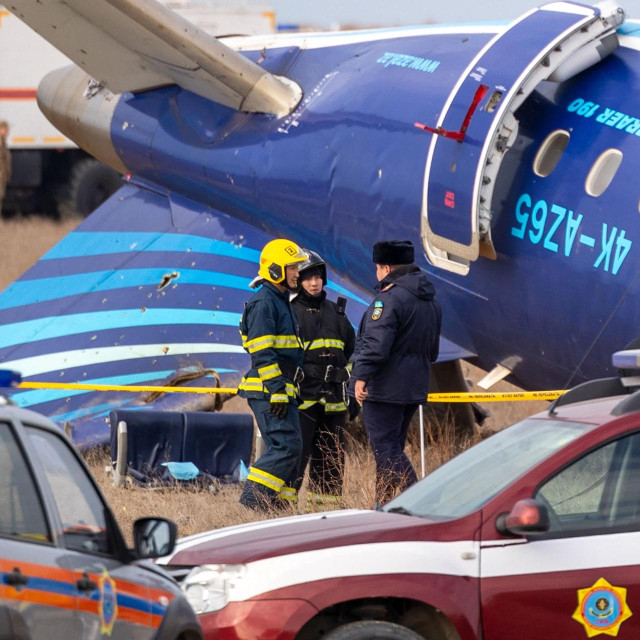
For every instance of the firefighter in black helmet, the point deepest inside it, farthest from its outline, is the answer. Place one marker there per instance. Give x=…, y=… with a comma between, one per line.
x=329, y=340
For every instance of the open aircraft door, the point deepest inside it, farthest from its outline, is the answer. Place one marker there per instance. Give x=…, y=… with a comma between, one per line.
x=477, y=126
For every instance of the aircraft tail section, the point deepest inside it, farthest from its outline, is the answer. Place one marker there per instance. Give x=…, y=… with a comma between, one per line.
x=137, y=45
x=150, y=284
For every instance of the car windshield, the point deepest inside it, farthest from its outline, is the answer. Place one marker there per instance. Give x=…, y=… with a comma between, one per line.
x=471, y=479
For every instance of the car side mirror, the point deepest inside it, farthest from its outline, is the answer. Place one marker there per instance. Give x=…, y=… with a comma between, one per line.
x=527, y=517
x=154, y=537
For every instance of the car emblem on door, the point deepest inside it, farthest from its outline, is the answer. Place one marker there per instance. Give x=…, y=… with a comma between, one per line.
x=602, y=608
x=108, y=603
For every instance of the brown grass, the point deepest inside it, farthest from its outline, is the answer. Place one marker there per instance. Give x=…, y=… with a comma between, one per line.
x=196, y=510
x=25, y=240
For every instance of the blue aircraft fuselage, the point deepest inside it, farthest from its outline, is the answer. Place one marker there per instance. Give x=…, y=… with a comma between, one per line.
x=347, y=169
x=154, y=281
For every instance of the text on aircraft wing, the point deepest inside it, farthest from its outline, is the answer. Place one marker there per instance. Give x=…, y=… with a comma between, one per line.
x=553, y=42
x=136, y=45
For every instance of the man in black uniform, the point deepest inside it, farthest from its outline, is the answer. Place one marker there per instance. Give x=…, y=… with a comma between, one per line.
x=271, y=336
x=397, y=339
x=328, y=341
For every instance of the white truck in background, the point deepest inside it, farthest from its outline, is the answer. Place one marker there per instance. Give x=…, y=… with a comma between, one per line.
x=50, y=174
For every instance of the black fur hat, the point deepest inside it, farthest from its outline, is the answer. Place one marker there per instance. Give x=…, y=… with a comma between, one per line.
x=393, y=252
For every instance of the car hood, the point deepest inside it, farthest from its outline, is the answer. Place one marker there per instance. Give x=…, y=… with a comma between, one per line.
x=266, y=539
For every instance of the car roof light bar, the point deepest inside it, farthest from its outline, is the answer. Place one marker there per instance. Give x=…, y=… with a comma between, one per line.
x=628, y=359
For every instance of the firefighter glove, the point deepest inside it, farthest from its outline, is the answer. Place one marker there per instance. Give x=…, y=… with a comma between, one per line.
x=279, y=409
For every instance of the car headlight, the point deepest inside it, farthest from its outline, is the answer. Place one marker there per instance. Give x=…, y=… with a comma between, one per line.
x=207, y=587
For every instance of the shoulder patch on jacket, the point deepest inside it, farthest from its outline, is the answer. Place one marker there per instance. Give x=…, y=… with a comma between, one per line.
x=378, y=307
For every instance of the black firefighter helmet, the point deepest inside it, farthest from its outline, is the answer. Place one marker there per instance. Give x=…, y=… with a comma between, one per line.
x=313, y=265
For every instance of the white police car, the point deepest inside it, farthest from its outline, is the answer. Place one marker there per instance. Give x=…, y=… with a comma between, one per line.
x=65, y=571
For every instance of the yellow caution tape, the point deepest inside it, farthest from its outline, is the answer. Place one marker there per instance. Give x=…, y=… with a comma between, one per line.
x=123, y=387
x=512, y=396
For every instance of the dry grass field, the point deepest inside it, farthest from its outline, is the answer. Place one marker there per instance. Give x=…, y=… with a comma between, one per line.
x=24, y=240
x=196, y=510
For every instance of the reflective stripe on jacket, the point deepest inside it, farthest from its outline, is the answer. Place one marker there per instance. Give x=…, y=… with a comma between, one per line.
x=329, y=339
x=270, y=335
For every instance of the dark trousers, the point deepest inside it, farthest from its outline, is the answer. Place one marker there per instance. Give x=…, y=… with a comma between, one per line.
x=386, y=425
x=273, y=475
x=323, y=450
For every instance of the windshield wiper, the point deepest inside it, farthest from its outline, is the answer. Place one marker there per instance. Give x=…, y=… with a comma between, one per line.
x=401, y=510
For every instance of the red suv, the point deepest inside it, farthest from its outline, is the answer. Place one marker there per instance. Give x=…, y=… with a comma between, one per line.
x=533, y=533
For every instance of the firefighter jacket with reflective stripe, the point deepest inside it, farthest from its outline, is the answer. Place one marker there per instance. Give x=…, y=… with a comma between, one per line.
x=271, y=336
x=329, y=340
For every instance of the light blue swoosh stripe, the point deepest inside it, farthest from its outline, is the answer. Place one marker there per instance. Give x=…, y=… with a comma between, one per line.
x=26, y=292
x=62, y=326
x=80, y=244
x=31, y=291
x=84, y=244
x=630, y=29
x=346, y=292
x=96, y=411
x=39, y=396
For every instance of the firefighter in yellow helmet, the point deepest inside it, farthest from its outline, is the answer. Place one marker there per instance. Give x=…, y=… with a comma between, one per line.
x=271, y=336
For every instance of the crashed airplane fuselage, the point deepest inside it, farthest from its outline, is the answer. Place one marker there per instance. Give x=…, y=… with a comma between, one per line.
x=507, y=153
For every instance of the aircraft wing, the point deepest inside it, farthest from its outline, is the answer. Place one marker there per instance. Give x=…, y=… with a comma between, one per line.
x=136, y=45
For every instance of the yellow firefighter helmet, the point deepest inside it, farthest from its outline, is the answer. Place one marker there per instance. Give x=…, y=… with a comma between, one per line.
x=275, y=257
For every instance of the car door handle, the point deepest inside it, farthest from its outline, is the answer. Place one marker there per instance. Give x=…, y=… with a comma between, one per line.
x=16, y=578
x=86, y=583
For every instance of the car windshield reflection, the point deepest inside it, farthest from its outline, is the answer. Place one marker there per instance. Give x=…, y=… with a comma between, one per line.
x=471, y=479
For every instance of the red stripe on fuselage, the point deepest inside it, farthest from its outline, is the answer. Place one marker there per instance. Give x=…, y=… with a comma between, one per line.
x=17, y=94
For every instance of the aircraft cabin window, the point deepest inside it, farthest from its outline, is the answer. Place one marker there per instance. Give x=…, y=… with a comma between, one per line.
x=602, y=172
x=550, y=152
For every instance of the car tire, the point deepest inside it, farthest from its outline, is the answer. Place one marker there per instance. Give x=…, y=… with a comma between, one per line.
x=373, y=630
x=90, y=184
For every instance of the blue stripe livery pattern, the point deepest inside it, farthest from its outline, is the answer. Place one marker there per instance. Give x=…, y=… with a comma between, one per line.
x=148, y=285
